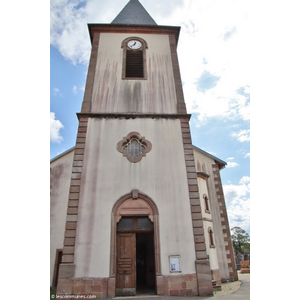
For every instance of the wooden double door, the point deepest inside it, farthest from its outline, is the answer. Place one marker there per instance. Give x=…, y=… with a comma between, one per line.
x=135, y=267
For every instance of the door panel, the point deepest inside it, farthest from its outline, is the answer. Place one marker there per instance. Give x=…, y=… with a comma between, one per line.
x=126, y=278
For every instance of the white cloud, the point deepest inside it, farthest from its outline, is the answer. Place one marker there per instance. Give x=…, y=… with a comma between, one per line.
x=242, y=135
x=55, y=127
x=238, y=203
x=68, y=24
x=214, y=39
x=232, y=164
x=74, y=89
x=204, y=48
x=57, y=92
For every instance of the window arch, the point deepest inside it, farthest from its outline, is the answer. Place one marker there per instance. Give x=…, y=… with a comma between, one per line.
x=211, y=238
x=135, y=204
x=134, y=58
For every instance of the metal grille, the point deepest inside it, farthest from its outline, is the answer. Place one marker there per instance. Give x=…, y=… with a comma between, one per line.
x=134, y=148
x=134, y=64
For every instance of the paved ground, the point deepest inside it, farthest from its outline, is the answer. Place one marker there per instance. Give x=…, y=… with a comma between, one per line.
x=242, y=293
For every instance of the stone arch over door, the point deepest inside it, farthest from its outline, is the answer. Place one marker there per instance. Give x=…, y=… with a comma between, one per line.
x=134, y=204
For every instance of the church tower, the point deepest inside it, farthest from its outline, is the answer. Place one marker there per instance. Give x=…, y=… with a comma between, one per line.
x=134, y=221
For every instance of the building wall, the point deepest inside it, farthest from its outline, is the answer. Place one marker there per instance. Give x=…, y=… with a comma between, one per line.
x=204, y=163
x=112, y=94
x=60, y=184
x=107, y=175
x=213, y=259
x=207, y=223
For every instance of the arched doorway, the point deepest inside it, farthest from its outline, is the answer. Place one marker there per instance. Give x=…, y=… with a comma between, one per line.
x=135, y=254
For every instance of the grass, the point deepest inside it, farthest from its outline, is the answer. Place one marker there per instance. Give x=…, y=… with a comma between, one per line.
x=52, y=295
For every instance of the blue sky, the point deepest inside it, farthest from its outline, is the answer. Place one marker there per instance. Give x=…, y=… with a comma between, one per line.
x=214, y=62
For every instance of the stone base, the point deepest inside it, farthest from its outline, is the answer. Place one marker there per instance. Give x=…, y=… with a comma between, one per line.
x=170, y=285
x=177, y=285
x=99, y=287
x=217, y=288
x=216, y=277
x=204, y=278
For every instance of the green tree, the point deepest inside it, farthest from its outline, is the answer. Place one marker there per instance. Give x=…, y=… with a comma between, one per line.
x=240, y=239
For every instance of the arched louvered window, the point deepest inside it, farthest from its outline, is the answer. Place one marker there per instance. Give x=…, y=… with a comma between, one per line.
x=206, y=204
x=134, y=58
x=211, y=238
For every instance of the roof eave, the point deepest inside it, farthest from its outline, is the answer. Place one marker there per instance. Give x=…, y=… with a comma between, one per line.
x=62, y=154
x=217, y=160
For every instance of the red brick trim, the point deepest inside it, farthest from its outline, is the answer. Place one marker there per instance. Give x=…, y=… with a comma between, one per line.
x=225, y=222
x=181, y=108
x=202, y=263
x=67, y=267
x=74, y=194
x=86, y=104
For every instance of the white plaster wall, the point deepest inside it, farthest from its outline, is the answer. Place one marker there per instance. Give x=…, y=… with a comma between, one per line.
x=107, y=175
x=213, y=259
x=112, y=94
x=61, y=170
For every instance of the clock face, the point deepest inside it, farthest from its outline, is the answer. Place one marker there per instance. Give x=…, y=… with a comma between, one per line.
x=133, y=44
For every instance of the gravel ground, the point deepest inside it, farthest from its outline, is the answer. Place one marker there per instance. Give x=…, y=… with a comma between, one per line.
x=228, y=288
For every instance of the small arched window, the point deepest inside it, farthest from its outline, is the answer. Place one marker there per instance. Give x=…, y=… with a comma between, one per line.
x=134, y=58
x=206, y=203
x=211, y=238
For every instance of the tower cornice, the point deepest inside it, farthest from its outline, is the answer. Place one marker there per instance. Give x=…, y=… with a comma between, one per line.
x=121, y=28
x=133, y=115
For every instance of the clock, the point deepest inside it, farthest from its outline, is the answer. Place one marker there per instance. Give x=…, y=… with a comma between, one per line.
x=134, y=44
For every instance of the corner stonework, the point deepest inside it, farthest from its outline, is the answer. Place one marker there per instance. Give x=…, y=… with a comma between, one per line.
x=203, y=271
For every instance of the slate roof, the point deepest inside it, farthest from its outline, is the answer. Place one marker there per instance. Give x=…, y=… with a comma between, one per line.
x=217, y=160
x=134, y=14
